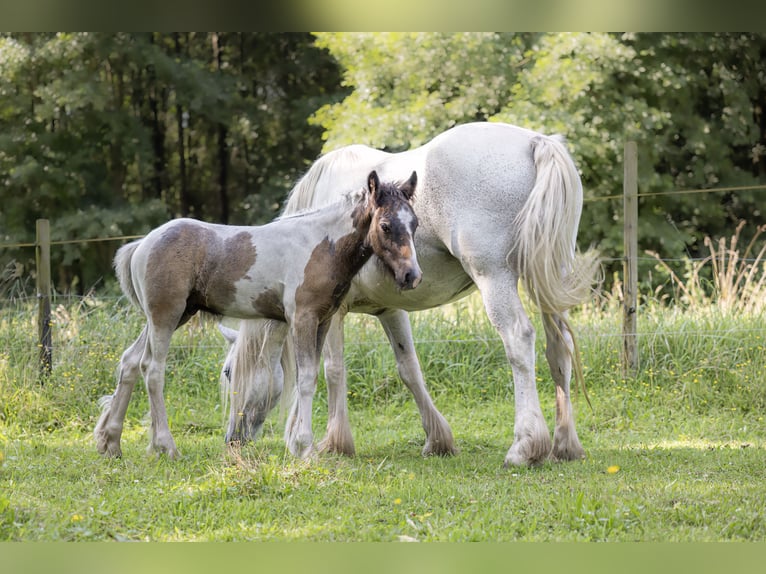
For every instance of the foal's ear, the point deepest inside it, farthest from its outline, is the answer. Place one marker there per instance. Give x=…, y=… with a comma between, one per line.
x=373, y=186
x=408, y=187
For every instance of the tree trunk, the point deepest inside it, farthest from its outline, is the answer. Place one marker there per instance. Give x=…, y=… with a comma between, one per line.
x=223, y=133
x=158, y=132
x=181, y=121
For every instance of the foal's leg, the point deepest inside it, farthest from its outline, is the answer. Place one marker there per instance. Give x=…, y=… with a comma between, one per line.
x=108, y=430
x=338, y=438
x=439, y=439
x=558, y=351
x=308, y=337
x=531, y=439
x=153, y=368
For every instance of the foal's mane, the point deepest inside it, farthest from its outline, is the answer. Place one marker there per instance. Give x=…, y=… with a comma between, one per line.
x=346, y=201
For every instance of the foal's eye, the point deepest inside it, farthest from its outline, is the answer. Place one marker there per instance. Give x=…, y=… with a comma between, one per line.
x=385, y=227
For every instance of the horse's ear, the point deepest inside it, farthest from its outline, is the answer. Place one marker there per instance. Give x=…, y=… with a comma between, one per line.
x=408, y=188
x=373, y=185
x=229, y=334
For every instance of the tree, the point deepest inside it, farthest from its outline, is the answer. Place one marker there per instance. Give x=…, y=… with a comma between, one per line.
x=111, y=134
x=693, y=102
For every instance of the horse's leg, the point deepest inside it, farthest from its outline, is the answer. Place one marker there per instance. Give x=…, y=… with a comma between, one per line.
x=439, y=438
x=308, y=336
x=108, y=430
x=558, y=351
x=338, y=438
x=531, y=439
x=153, y=368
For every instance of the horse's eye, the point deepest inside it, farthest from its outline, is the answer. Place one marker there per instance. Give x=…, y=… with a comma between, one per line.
x=385, y=227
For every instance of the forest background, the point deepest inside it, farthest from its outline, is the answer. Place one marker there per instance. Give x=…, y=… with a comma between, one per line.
x=109, y=135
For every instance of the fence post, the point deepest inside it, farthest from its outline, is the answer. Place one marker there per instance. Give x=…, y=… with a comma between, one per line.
x=630, y=262
x=43, y=262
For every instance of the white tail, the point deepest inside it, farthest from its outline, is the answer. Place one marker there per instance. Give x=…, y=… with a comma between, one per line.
x=554, y=275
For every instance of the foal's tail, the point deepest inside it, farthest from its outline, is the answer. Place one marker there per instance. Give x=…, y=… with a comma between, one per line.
x=555, y=276
x=122, y=268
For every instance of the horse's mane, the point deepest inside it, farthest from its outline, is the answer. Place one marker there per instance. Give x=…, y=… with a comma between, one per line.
x=335, y=167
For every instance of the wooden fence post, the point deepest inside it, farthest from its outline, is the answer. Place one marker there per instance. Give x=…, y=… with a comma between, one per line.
x=43, y=262
x=630, y=262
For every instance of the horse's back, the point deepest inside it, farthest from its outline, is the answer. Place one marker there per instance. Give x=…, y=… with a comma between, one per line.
x=484, y=164
x=476, y=179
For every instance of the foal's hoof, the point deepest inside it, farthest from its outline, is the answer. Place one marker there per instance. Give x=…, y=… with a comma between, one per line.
x=439, y=448
x=331, y=447
x=157, y=452
x=113, y=451
x=302, y=451
x=107, y=448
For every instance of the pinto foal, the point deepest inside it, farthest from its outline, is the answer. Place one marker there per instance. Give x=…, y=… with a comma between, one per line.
x=295, y=269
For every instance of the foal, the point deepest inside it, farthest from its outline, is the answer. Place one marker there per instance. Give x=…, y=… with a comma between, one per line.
x=296, y=270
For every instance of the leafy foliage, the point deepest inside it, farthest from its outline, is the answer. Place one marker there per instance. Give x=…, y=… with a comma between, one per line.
x=106, y=131
x=693, y=103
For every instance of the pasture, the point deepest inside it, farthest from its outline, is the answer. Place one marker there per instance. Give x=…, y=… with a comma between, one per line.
x=676, y=453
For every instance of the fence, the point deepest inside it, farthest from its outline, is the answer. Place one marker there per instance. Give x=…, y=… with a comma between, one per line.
x=42, y=247
x=629, y=359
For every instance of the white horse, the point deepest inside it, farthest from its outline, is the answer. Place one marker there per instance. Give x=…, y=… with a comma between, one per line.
x=296, y=270
x=496, y=204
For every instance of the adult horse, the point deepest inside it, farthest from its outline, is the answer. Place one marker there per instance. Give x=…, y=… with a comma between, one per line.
x=296, y=269
x=496, y=204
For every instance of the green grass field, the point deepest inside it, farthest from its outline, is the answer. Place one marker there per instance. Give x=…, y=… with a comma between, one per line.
x=676, y=453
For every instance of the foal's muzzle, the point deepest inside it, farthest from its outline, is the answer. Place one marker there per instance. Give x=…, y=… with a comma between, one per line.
x=409, y=278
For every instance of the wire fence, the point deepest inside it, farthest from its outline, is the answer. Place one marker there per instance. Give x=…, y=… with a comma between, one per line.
x=23, y=299
x=585, y=200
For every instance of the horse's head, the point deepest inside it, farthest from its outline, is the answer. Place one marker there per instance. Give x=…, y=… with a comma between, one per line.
x=392, y=228
x=250, y=386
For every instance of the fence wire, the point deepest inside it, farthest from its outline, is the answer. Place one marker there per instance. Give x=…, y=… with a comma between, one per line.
x=26, y=300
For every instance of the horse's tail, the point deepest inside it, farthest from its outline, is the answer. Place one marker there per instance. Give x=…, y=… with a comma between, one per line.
x=122, y=267
x=554, y=274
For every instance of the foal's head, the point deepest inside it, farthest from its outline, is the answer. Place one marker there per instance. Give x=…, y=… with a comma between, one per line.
x=392, y=228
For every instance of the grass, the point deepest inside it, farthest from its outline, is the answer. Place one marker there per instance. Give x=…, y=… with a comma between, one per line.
x=676, y=453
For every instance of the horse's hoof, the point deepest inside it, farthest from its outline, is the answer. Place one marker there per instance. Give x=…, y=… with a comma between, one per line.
x=527, y=454
x=566, y=446
x=573, y=452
